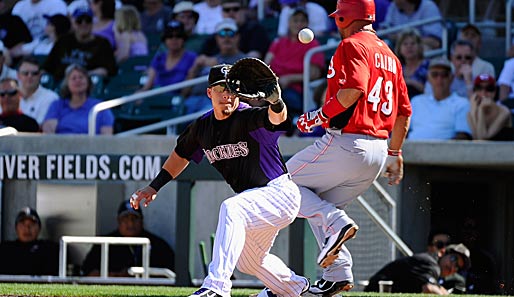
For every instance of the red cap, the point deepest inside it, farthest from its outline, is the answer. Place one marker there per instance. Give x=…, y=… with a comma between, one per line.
x=484, y=78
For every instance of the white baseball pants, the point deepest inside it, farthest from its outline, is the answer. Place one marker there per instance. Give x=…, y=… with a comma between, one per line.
x=247, y=227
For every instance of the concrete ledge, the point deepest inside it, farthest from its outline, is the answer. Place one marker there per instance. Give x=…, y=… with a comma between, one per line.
x=496, y=154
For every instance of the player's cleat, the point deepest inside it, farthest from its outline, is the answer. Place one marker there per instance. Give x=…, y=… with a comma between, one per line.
x=327, y=288
x=332, y=246
x=204, y=292
x=267, y=292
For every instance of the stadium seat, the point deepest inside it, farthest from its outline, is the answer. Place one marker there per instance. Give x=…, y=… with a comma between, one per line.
x=122, y=85
x=154, y=43
x=97, y=91
x=137, y=63
x=195, y=42
x=147, y=111
x=48, y=81
x=271, y=26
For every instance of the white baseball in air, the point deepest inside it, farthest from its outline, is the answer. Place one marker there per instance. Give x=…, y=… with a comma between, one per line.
x=305, y=35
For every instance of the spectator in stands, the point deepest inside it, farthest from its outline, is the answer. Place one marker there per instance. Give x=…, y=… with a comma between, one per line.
x=76, y=4
x=5, y=71
x=210, y=14
x=154, y=16
x=254, y=39
x=488, y=119
x=227, y=39
x=11, y=114
x=36, y=99
x=56, y=26
x=83, y=48
x=28, y=255
x=184, y=12
x=173, y=65
x=506, y=81
x=14, y=31
x=271, y=9
x=285, y=57
x=462, y=55
x=472, y=34
x=32, y=12
x=138, y=4
x=130, y=40
x=122, y=257
x=103, y=20
x=410, y=51
x=402, y=12
x=381, y=7
x=420, y=273
x=442, y=114
x=318, y=16
x=437, y=244
x=70, y=114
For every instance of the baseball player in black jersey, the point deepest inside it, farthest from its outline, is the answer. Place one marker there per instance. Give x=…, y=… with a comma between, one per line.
x=241, y=142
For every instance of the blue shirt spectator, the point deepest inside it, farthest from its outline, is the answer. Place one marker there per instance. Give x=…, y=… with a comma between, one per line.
x=402, y=12
x=70, y=114
x=75, y=120
x=442, y=114
x=167, y=76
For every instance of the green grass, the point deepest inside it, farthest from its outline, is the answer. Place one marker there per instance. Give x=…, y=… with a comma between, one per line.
x=53, y=290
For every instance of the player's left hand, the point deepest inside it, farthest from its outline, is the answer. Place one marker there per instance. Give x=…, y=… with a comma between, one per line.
x=275, y=96
x=145, y=195
x=393, y=169
x=307, y=121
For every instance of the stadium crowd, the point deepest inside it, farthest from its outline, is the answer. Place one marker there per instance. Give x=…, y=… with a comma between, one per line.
x=155, y=43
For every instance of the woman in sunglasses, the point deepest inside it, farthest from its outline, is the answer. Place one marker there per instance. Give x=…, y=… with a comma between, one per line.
x=487, y=119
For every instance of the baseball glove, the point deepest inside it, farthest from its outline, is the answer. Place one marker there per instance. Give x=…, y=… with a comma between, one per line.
x=251, y=79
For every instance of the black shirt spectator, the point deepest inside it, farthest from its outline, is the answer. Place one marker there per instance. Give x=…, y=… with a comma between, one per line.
x=83, y=48
x=254, y=40
x=423, y=272
x=13, y=30
x=28, y=255
x=122, y=257
x=11, y=114
x=20, y=122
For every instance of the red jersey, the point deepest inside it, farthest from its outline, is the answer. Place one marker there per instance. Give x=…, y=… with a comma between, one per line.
x=364, y=62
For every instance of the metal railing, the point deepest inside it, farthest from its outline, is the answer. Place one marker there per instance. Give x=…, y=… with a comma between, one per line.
x=105, y=242
x=507, y=24
x=134, y=97
x=307, y=92
x=390, y=231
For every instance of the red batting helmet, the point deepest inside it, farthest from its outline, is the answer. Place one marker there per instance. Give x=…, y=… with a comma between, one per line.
x=348, y=11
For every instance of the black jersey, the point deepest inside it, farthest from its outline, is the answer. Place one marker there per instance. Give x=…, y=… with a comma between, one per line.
x=243, y=147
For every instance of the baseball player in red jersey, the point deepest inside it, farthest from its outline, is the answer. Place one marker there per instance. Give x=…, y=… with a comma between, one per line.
x=366, y=102
x=241, y=142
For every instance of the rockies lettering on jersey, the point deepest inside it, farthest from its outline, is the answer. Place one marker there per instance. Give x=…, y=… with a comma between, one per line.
x=234, y=145
x=227, y=151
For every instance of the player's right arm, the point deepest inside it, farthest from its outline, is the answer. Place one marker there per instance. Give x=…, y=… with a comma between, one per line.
x=173, y=166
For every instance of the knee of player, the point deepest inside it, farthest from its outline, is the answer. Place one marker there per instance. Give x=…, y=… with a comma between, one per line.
x=232, y=211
